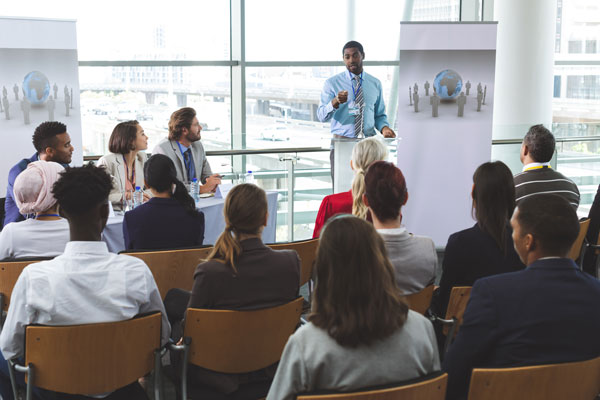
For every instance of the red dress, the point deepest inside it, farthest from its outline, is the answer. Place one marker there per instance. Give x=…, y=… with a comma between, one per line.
x=339, y=203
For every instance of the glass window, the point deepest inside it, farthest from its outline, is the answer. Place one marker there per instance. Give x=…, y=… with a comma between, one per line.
x=140, y=30
x=150, y=94
x=277, y=30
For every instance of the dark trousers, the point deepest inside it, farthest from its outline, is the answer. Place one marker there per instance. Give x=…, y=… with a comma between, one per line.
x=132, y=391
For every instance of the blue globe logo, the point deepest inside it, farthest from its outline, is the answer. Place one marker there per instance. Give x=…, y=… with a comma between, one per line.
x=448, y=84
x=36, y=87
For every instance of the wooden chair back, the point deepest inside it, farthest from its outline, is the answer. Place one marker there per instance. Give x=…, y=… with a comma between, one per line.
x=307, y=251
x=575, y=252
x=574, y=380
x=420, y=301
x=93, y=358
x=173, y=268
x=459, y=297
x=433, y=389
x=240, y=341
x=9, y=273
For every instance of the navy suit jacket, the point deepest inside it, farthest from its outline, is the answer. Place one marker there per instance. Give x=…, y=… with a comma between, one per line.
x=548, y=313
x=162, y=224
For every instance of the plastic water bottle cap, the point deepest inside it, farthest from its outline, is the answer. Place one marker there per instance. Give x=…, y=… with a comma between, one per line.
x=137, y=188
x=249, y=172
x=195, y=180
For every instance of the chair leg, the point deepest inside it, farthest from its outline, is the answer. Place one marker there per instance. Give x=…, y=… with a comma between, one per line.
x=157, y=375
x=450, y=336
x=186, y=357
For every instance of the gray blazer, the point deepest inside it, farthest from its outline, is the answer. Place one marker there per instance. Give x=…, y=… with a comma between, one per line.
x=116, y=168
x=414, y=259
x=170, y=149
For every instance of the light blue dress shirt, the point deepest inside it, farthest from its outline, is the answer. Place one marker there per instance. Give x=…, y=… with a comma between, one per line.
x=342, y=122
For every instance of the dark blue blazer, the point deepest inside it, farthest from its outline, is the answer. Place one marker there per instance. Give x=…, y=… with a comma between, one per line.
x=162, y=224
x=547, y=313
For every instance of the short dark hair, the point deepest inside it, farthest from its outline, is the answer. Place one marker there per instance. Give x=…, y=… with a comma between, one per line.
x=180, y=119
x=551, y=220
x=45, y=135
x=80, y=189
x=356, y=300
x=351, y=44
x=385, y=188
x=123, y=137
x=540, y=142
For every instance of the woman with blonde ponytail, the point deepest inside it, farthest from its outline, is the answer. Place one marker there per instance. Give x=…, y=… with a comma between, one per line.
x=241, y=273
x=364, y=153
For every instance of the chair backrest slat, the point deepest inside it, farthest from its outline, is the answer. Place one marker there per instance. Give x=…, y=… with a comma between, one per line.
x=574, y=380
x=420, y=301
x=459, y=297
x=173, y=268
x=9, y=273
x=433, y=389
x=240, y=341
x=307, y=251
x=577, y=246
x=93, y=358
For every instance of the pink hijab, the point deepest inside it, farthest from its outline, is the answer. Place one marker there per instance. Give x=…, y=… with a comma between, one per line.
x=33, y=187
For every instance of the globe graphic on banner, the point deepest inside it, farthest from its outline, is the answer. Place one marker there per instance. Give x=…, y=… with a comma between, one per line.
x=37, y=87
x=448, y=84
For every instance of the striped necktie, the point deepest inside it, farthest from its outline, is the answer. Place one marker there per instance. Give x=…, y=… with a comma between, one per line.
x=358, y=102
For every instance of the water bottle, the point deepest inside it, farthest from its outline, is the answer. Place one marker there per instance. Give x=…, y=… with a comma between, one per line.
x=138, y=197
x=194, y=189
x=249, y=178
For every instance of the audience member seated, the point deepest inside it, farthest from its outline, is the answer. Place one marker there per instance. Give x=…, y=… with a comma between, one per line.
x=545, y=314
x=413, y=257
x=241, y=273
x=84, y=285
x=169, y=219
x=125, y=163
x=184, y=148
x=486, y=248
x=45, y=235
x=52, y=143
x=360, y=333
x=364, y=153
x=538, y=176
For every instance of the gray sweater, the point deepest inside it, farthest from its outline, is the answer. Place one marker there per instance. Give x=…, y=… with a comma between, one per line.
x=312, y=360
x=413, y=257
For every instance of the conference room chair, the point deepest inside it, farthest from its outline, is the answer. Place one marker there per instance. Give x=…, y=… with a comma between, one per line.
x=577, y=249
x=307, y=251
x=430, y=387
x=574, y=380
x=172, y=268
x=459, y=297
x=420, y=301
x=9, y=273
x=235, y=342
x=91, y=358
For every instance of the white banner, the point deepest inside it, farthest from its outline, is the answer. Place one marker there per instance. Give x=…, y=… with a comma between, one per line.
x=39, y=81
x=446, y=98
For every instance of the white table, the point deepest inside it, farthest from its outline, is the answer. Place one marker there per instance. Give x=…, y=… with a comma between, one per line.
x=214, y=223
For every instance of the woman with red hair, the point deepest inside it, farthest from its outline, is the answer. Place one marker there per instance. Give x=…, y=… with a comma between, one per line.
x=413, y=257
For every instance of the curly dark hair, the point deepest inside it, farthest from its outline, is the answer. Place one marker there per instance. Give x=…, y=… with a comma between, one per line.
x=80, y=189
x=45, y=134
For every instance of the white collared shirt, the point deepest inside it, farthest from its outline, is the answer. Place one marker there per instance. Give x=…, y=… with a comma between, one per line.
x=392, y=231
x=85, y=285
x=535, y=165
